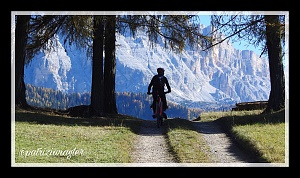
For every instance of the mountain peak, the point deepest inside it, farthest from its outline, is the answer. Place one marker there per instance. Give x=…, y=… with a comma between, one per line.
x=222, y=74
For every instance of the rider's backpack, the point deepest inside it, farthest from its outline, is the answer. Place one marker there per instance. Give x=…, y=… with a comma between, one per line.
x=159, y=82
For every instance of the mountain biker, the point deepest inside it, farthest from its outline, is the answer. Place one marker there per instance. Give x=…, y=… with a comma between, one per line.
x=158, y=83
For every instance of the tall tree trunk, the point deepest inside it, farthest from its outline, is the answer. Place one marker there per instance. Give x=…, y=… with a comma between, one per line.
x=97, y=93
x=22, y=25
x=110, y=66
x=277, y=94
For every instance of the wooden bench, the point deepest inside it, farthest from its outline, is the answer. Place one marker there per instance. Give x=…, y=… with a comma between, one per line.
x=255, y=105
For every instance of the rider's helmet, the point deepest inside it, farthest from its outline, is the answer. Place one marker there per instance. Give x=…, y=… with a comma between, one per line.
x=160, y=70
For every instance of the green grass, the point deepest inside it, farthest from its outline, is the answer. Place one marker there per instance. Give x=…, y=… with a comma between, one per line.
x=46, y=137
x=186, y=143
x=262, y=135
x=50, y=138
x=269, y=139
x=90, y=144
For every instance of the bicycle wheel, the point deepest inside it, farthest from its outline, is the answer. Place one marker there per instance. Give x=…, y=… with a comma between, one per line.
x=158, y=121
x=161, y=120
x=159, y=117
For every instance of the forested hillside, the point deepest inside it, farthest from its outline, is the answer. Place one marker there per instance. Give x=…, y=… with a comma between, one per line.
x=133, y=104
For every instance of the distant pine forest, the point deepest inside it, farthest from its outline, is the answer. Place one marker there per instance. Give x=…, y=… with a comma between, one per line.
x=129, y=103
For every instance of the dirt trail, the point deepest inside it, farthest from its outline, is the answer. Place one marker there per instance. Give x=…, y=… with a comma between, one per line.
x=151, y=146
x=221, y=146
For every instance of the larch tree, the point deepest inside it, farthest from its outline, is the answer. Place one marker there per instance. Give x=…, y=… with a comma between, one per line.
x=81, y=31
x=27, y=29
x=97, y=86
x=273, y=42
x=22, y=28
x=110, y=105
x=267, y=31
x=34, y=33
x=177, y=30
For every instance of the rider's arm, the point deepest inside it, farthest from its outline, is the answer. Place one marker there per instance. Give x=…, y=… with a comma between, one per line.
x=150, y=85
x=168, y=86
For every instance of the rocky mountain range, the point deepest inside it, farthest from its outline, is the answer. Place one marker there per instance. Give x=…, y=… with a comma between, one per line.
x=219, y=75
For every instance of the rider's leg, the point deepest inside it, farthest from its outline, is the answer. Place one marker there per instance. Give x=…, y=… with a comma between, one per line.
x=154, y=96
x=165, y=106
x=154, y=104
x=164, y=100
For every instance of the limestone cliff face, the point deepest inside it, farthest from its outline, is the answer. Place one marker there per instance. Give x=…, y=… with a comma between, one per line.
x=222, y=74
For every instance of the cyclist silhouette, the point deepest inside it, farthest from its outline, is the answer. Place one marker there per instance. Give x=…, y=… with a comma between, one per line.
x=158, y=83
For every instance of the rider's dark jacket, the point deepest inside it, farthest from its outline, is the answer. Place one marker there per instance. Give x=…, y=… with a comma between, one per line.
x=156, y=87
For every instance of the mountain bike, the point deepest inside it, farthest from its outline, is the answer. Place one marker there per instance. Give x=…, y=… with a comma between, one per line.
x=159, y=111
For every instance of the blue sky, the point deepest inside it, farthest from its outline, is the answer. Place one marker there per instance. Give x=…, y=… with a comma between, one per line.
x=242, y=45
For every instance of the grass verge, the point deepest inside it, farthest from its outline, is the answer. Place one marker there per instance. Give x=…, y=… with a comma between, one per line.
x=47, y=137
